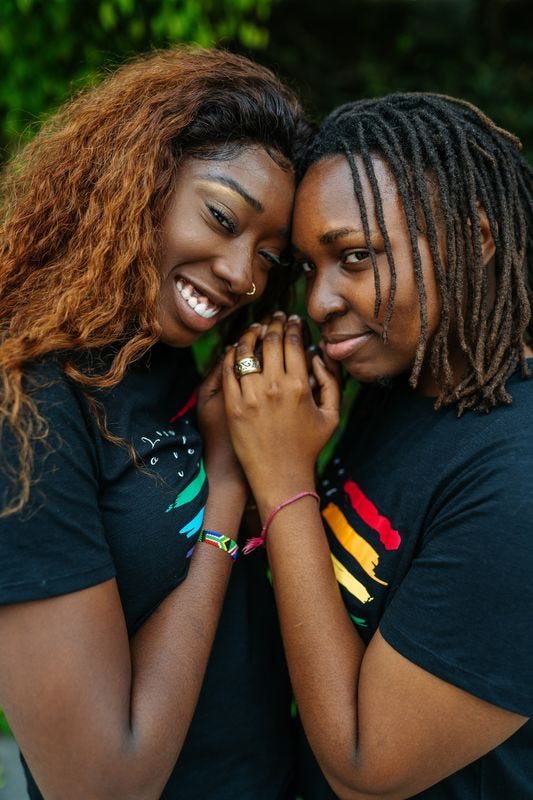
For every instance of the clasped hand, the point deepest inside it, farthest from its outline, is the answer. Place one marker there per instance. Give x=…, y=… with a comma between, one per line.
x=277, y=424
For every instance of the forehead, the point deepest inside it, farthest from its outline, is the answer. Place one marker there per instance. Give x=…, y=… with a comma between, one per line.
x=327, y=189
x=252, y=167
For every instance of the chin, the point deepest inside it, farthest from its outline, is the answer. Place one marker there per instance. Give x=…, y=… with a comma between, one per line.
x=179, y=339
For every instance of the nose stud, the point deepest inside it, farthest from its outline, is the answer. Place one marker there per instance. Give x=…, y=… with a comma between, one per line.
x=252, y=292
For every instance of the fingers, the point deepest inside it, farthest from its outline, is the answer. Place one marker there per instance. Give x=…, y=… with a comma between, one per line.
x=295, y=361
x=230, y=384
x=245, y=348
x=247, y=344
x=333, y=366
x=273, y=357
x=329, y=389
x=281, y=342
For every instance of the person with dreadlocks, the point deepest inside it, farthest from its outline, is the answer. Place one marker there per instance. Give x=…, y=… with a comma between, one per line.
x=405, y=603
x=149, y=210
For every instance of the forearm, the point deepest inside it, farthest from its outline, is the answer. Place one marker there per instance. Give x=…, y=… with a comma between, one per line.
x=171, y=650
x=345, y=721
x=324, y=652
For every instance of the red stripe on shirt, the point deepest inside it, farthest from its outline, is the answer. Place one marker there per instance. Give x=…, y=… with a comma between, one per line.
x=388, y=536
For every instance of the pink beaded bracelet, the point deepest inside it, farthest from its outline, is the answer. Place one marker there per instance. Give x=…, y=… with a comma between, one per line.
x=259, y=541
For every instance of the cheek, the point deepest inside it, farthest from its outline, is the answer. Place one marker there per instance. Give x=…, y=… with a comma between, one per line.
x=405, y=326
x=182, y=243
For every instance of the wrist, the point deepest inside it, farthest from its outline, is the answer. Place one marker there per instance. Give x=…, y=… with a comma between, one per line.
x=269, y=495
x=298, y=497
x=220, y=541
x=225, y=505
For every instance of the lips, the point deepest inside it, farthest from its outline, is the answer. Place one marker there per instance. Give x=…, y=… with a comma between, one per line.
x=340, y=347
x=202, y=305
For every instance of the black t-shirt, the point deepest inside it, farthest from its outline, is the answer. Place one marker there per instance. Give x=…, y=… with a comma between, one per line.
x=429, y=521
x=94, y=515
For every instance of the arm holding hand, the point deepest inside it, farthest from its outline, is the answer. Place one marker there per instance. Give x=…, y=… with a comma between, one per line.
x=379, y=725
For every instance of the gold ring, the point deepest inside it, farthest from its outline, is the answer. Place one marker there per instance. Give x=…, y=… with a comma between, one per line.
x=246, y=366
x=253, y=290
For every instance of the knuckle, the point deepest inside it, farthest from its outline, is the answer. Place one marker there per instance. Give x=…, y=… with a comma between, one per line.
x=233, y=412
x=272, y=337
x=273, y=390
x=300, y=387
x=293, y=338
x=243, y=349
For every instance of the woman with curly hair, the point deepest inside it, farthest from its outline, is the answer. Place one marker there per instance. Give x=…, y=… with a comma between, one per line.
x=404, y=598
x=147, y=211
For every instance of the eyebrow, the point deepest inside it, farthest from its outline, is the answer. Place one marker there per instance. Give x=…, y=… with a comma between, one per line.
x=232, y=184
x=338, y=233
x=331, y=236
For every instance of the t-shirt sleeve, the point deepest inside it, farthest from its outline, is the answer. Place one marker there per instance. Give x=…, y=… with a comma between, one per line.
x=464, y=610
x=56, y=544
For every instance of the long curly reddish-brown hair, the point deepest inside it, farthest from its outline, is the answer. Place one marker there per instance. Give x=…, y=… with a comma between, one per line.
x=82, y=206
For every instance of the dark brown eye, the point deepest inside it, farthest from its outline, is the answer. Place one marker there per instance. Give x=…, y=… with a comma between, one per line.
x=355, y=256
x=222, y=219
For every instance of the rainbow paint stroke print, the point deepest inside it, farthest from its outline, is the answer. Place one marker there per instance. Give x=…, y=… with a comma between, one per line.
x=357, y=546
x=352, y=542
x=189, y=405
x=190, y=491
x=365, y=508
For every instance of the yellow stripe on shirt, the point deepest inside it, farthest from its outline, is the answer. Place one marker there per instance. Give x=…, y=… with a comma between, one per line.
x=358, y=547
x=350, y=583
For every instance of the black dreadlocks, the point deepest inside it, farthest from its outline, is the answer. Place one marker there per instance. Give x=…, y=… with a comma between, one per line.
x=448, y=160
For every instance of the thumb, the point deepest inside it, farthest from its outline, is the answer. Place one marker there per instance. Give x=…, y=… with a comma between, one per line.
x=329, y=391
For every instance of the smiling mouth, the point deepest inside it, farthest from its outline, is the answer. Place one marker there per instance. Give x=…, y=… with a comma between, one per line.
x=199, y=303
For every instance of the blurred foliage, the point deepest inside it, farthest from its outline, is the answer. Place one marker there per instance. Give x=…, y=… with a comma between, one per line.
x=4, y=727
x=341, y=50
x=330, y=52
x=50, y=47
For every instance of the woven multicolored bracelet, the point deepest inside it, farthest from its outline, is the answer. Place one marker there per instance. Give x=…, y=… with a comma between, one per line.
x=219, y=540
x=259, y=541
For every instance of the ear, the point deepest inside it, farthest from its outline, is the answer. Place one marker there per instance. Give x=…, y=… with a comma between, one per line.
x=488, y=248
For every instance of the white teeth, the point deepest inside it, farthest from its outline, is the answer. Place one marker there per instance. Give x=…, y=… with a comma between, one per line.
x=199, y=303
x=205, y=312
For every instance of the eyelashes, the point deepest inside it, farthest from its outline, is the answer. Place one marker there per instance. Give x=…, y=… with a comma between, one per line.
x=230, y=226
x=223, y=220
x=359, y=254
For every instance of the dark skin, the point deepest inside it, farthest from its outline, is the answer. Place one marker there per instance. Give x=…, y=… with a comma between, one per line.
x=380, y=726
x=98, y=716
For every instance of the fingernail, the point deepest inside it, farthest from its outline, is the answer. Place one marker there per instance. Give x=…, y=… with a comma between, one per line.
x=294, y=318
x=264, y=329
x=278, y=314
x=254, y=325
